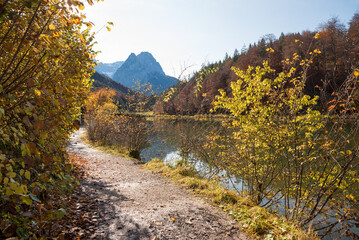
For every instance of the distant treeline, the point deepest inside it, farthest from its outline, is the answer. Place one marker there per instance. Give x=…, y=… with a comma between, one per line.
x=337, y=43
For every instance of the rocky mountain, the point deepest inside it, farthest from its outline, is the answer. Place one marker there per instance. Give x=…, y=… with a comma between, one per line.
x=108, y=69
x=143, y=69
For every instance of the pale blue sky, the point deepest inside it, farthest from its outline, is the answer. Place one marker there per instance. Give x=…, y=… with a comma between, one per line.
x=181, y=33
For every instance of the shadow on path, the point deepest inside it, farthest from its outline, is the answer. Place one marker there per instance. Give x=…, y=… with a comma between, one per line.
x=114, y=224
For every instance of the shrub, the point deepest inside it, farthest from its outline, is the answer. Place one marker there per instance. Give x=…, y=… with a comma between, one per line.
x=46, y=60
x=106, y=126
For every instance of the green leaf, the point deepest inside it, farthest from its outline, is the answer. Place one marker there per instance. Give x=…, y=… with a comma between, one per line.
x=11, y=97
x=33, y=197
x=21, y=232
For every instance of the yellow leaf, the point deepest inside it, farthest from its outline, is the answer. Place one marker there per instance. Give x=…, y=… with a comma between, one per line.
x=76, y=20
x=6, y=180
x=108, y=29
x=13, y=185
x=9, y=191
x=82, y=7
x=18, y=190
x=27, y=175
x=9, y=168
x=24, y=189
x=350, y=196
x=52, y=27
x=26, y=199
x=173, y=219
x=356, y=73
x=110, y=23
x=11, y=175
x=43, y=135
x=37, y=92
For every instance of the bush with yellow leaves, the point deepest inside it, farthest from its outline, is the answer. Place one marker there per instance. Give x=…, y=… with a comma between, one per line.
x=107, y=127
x=46, y=61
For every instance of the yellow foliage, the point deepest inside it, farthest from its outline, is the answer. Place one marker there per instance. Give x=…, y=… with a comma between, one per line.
x=100, y=98
x=45, y=66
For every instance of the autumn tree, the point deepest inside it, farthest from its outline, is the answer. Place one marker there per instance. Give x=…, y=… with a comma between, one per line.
x=99, y=98
x=353, y=37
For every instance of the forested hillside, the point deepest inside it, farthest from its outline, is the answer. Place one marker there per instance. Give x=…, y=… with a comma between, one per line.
x=337, y=50
x=102, y=81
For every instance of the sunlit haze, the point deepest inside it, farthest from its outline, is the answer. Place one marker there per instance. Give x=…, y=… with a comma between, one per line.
x=183, y=33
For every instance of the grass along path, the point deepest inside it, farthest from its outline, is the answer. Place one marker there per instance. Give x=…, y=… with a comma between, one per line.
x=253, y=219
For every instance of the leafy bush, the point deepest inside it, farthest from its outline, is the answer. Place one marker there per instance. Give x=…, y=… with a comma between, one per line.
x=106, y=126
x=45, y=65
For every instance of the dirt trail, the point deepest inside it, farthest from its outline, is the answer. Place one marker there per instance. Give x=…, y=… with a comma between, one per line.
x=133, y=203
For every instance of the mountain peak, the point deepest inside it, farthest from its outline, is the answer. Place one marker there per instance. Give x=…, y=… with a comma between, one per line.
x=132, y=55
x=143, y=68
x=145, y=54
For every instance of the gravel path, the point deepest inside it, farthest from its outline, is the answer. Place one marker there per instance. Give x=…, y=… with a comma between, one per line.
x=133, y=203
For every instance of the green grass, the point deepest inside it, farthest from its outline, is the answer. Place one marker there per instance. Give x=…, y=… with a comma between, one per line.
x=253, y=219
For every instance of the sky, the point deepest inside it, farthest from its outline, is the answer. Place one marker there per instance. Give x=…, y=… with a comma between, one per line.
x=184, y=34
